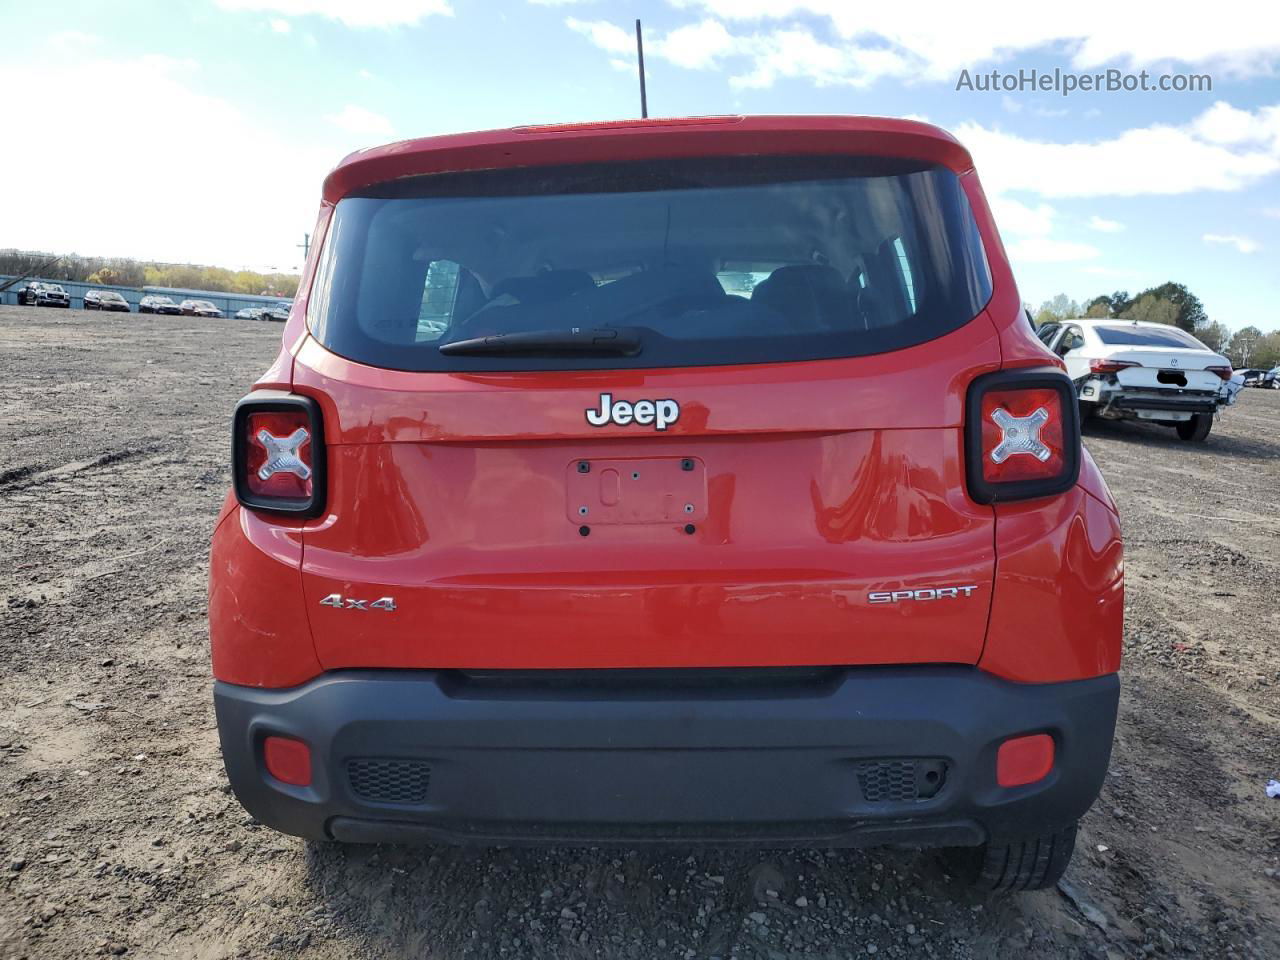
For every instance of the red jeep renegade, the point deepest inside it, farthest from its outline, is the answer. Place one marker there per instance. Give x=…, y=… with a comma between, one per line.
x=676, y=480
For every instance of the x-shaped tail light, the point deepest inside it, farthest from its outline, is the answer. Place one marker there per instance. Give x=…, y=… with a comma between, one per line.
x=1020, y=435
x=284, y=454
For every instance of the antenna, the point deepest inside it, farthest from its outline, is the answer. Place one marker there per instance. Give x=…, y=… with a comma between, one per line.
x=644, y=100
x=305, y=245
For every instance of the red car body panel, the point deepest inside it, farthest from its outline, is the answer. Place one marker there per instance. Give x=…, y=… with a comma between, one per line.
x=830, y=479
x=257, y=617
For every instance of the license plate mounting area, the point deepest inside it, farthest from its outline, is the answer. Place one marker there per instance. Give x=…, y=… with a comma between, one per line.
x=642, y=490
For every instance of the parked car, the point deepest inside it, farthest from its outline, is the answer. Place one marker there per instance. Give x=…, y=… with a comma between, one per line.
x=1127, y=369
x=199, y=308
x=158, y=304
x=105, y=300
x=249, y=313
x=278, y=312
x=1271, y=379
x=1251, y=377
x=611, y=554
x=37, y=293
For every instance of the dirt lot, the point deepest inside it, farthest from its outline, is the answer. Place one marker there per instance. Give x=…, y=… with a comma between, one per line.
x=118, y=834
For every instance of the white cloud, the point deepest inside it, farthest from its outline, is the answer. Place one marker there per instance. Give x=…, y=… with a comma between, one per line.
x=1027, y=232
x=698, y=45
x=74, y=42
x=244, y=204
x=1242, y=244
x=1158, y=159
x=1103, y=225
x=1049, y=250
x=939, y=37
x=280, y=26
x=1155, y=160
x=1010, y=105
x=609, y=37
x=358, y=120
x=764, y=58
x=1273, y=212
x=351, y=13
x=1223, y=123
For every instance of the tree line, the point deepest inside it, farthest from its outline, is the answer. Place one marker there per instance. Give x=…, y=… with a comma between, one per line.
x=1174, y=304
x=124, y=272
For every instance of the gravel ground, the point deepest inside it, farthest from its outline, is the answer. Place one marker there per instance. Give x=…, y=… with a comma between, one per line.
x=118, y=834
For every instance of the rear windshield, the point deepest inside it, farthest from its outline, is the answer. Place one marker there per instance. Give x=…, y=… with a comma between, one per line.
x=711, y=261
x=1148, y=337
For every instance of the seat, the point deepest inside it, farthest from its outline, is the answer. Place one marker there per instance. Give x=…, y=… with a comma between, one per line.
x=809, y=296
x=545, y=287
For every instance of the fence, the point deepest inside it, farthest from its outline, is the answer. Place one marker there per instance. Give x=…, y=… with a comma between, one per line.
x=228, y=303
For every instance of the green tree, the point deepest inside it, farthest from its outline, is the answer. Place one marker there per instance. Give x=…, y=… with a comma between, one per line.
x=1152, y=309
x=1060, y=307
x=136, y=273
x=1046, y=316
x=1241, y=347
x=1189, y=311
x=1099, y=307
x=1266, y=351
x=1214, y=335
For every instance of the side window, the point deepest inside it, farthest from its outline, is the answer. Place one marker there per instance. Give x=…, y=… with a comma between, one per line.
x=1047, y=332
x=904, y=269
x=1072, y=338
x=439, y=297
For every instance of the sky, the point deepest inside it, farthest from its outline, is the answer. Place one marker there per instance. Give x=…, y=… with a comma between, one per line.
x=200, y=130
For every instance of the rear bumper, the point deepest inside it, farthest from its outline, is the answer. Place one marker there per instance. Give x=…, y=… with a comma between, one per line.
x=849, y=757
x=1171, y=405
x=1133, y=401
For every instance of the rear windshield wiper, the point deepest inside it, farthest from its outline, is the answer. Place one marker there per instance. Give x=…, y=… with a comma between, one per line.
x=601, y=340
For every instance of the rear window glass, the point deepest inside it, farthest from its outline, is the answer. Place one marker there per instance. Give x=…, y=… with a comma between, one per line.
x=1148, y=337
x=711, y=261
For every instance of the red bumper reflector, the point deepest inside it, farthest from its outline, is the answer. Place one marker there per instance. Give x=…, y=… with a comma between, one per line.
x=1024, y=760
x=289, y=761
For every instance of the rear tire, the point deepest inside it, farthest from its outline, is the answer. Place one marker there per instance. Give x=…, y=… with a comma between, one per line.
x=1009, y=866
x=1196, y=430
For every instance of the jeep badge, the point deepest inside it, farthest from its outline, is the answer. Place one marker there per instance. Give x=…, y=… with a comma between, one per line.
x=658, y=413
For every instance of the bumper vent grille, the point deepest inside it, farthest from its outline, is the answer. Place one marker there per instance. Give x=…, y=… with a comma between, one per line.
x=389, y=781
x=900, y=781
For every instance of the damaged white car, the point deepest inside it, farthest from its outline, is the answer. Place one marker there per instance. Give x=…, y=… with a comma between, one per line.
x=1127, y=369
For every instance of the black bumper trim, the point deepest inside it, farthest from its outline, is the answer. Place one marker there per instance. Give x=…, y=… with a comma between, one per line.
x=550, y=764
x=1179, y=406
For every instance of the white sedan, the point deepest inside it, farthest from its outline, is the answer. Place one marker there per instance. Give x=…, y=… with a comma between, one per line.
x=1127, y=369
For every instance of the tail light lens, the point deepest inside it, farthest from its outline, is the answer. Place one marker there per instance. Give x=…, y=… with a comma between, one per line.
x=1111, y=366
x=1022, y=435
x=278, y=453
x=1224, y=372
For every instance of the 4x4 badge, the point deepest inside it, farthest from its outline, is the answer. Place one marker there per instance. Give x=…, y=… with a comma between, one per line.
x=659, y=414
x=339, y=602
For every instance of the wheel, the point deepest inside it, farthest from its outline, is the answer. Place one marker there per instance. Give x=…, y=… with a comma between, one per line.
x=1196, y=430
x=1275, y=384
x=1033, y=864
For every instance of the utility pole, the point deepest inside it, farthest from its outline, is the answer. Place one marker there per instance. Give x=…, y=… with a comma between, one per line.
x=1246, y=348
x=644, y=100
x=305, y=245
